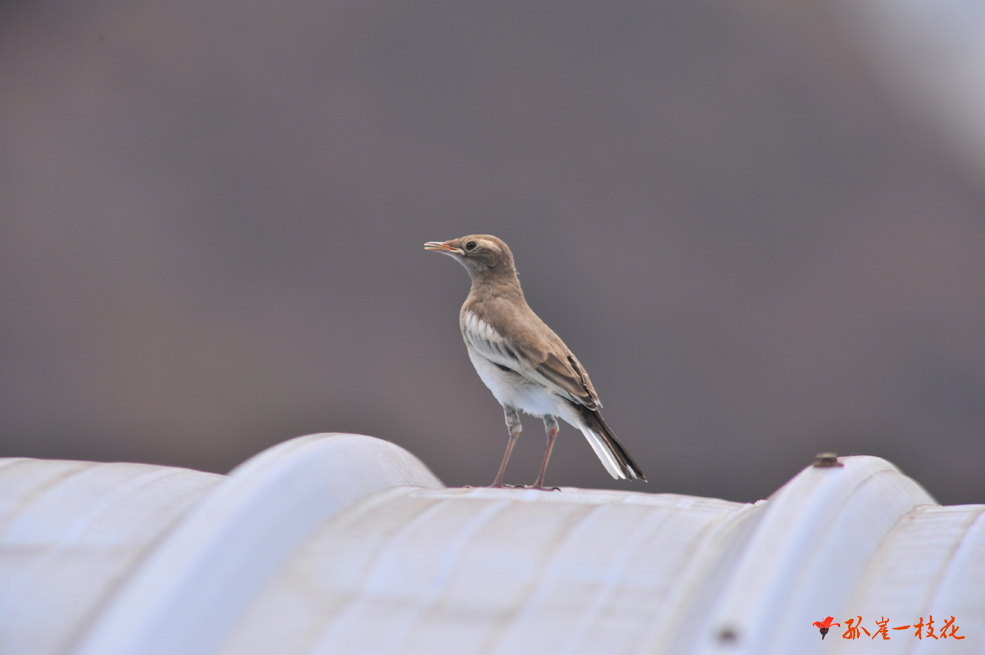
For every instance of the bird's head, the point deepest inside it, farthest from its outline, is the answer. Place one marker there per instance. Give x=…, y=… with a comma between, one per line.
x=480, y=254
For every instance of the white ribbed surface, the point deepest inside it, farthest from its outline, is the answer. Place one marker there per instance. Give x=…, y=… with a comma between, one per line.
x=348, y=544
x=820, y=530
x=191, y=591
x=69, y=533
x=492, y=571
x=932, y=563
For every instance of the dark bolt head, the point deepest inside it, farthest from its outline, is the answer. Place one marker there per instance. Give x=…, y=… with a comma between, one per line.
x=826, y=460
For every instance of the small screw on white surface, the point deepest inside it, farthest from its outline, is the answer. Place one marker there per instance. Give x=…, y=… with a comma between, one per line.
x=826, y=460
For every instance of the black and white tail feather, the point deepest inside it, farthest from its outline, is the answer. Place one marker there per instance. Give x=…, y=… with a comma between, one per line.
x=619, y=463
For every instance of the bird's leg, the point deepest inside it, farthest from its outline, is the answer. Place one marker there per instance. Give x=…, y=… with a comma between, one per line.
x=514, y=426
x=550, y=425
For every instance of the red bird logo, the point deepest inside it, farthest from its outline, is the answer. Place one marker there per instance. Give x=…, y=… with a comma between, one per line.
x=824, y=625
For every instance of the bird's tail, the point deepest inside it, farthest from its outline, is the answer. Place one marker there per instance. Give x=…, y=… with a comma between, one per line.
x=617, y=461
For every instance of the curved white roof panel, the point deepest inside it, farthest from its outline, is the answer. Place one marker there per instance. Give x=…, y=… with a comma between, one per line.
x=348, y=544
x=71, y=533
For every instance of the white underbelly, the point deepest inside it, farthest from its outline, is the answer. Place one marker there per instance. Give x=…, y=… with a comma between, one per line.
x=514, y=390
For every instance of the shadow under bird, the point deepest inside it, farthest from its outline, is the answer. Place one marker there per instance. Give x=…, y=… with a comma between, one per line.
x=525, y=365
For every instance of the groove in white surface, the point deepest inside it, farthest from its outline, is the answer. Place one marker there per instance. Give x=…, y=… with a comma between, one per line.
x=325, y=545
x=72, y=530
x=324, y=576
x=701, y=583
x=392, y=635
x=191, y=591
x=902, y=581
x=960, y=590
x=26, y=480
x=456, y=570
x=819, y=531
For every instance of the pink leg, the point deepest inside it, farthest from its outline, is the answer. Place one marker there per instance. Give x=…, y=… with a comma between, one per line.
x=550, y=423
x=514, y=426
x=502, y=467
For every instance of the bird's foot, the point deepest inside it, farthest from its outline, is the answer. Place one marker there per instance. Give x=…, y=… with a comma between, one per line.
x=522, y=486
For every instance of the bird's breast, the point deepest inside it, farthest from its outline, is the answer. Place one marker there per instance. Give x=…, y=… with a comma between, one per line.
x=512, y=389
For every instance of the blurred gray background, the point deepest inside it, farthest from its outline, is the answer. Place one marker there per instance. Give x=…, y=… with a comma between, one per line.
x=212, y=218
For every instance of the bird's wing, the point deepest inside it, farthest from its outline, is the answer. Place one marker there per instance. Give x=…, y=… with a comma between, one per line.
x=558, y=371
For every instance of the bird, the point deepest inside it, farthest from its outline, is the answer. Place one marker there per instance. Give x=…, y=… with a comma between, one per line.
x=523, y=362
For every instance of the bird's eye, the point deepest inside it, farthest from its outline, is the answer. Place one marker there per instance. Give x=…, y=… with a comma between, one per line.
x=470, y=245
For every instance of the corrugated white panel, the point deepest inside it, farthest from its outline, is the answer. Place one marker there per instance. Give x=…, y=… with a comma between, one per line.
x=348, y=544
x=69, y=532
x=818, y=534
x=191, y=591
x=931, y=564
x=492, y=571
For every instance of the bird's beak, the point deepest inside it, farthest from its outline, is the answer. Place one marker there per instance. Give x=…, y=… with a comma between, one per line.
x=443, y=247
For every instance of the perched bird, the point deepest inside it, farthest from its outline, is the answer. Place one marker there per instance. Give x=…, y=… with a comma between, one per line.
x=525, y=365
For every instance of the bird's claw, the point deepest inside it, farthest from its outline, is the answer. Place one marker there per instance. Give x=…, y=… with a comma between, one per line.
x=531, y=486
